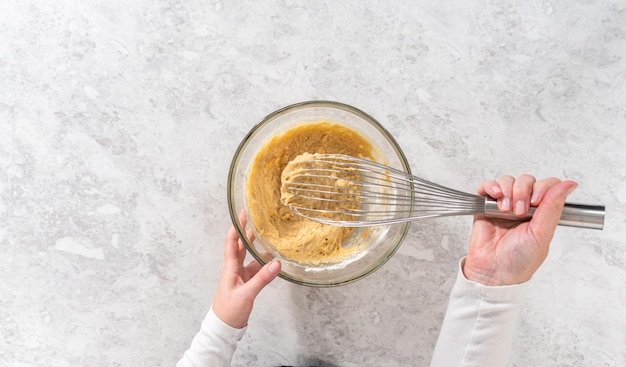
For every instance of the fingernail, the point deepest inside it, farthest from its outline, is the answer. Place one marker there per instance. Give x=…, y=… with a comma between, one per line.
x=496, y=189
x=574, y=187
x=506, y=204
x=534, y=198
x=274, y=267
x=520, y=208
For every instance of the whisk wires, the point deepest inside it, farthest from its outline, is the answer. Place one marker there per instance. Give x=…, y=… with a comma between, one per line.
x=350, y=191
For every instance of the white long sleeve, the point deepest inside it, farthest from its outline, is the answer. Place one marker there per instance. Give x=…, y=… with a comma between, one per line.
x=478, y=330
x=213, y=345
x=479, y=325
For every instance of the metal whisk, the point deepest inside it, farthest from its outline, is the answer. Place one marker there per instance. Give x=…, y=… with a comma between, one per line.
x=346, y=191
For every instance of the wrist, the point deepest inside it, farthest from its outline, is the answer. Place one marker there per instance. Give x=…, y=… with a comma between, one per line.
x=478, y=277
x=214, y=323
x=490, y=276
x=236, y=320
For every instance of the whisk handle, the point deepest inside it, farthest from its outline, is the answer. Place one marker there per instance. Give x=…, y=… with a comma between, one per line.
x=574, y=215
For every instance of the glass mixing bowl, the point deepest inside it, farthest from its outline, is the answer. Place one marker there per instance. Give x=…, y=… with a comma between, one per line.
x=380, y=243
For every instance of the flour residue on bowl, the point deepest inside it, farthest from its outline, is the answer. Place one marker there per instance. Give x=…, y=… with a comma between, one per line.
x=292, y=236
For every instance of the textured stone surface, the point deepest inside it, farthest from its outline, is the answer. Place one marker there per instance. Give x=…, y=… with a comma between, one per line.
x=119, y=120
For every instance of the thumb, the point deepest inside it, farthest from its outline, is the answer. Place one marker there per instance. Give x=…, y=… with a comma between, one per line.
x=262, y=278
x=548, y=213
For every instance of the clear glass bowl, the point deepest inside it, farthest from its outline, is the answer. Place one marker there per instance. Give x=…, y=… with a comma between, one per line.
x=381, y=241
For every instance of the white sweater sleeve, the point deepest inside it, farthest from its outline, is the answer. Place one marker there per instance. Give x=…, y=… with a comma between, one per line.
x=213, y=345
x=479, y=325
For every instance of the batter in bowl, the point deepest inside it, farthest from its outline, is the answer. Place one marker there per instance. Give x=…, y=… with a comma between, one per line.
x=294, y=237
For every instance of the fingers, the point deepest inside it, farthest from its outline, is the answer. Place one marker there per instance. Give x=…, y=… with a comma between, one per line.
x=517, y=194
x=231, y=249
x=251, y=269
x=501, y=189
x=249, y=234
x=540, y=189
x=506, y=185
x=232, y=235
x=548, y=213
x=262, y=278
x=490, y=188
x=243, y=218
x=522, y=191
x=234, y=249
x=242, y=247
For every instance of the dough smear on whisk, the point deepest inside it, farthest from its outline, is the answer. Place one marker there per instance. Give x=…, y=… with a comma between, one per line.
x=323, y=187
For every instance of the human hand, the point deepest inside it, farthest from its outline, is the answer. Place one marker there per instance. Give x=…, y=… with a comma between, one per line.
x=504, y=252
x=239, y=285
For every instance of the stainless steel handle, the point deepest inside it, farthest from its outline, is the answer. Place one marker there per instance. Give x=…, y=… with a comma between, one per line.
x=574, y=215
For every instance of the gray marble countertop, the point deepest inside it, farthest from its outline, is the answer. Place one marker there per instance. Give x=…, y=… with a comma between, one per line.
x=119, y=120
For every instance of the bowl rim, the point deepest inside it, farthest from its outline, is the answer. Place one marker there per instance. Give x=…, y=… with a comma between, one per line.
x=254, y=130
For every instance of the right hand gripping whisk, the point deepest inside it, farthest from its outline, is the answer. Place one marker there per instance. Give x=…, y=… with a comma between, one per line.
x=346, y=191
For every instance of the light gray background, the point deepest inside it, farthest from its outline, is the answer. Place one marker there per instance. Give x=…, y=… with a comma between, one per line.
x=119, y=120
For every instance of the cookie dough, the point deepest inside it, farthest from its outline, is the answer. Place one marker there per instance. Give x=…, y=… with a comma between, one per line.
x=294, y=237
